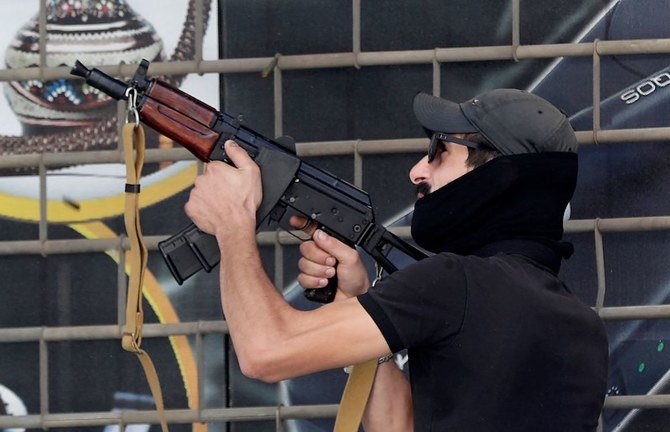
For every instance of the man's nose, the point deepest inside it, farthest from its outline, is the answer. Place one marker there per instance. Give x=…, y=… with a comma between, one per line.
x=420, y=171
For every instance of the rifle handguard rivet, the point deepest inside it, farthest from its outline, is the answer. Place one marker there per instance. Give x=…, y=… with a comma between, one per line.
x=357, y=228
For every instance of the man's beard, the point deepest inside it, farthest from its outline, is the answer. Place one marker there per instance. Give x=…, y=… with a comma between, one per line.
x=422, y=189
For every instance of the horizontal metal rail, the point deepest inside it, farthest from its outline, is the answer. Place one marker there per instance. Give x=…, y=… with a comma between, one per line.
x=637, y=401
x=308, y=149
x=102, y=332
x=268, y=238
x=622, y=313
x=267, y=413
x=172, y=416
x=630, y=224
x=154, y=330
x=361, y=59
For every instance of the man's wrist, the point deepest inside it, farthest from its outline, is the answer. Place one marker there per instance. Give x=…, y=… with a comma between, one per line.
x=228, y=234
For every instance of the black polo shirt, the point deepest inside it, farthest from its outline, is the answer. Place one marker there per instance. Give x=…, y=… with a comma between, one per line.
x=495, y=344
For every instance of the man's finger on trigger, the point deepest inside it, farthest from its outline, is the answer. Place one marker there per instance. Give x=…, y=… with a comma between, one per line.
x=303, y=224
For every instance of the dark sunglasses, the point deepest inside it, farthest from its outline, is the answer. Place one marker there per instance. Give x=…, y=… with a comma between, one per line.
x=440, y=136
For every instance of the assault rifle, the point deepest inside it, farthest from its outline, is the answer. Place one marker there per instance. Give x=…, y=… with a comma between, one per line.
x=339, y=208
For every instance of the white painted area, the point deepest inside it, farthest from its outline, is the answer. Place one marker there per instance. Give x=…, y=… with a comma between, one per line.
x=75, y=183
x=86, y=182
x=14, y=406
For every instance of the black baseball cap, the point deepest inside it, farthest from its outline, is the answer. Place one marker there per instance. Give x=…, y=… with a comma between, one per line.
x=514, y=121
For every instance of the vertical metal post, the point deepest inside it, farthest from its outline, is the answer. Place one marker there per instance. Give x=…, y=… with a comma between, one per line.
x=199, y=31
x=279, y=422
x=358, y=166
x=279, y=264
x=200, y=364
x=600, y=264
x=43, y=225
x=121, y=120
x=43, y=37
x=356, y=31
x=437, y=74
x=516, y=37
x=44, y=377
x=596, y=91
x=279, y=111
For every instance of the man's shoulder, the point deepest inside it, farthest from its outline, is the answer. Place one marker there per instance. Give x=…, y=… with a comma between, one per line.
x=443, y=265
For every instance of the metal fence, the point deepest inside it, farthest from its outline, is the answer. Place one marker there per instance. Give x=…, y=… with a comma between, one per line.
x=357, y=149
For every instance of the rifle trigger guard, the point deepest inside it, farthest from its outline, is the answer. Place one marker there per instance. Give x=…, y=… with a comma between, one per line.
x=131, y=111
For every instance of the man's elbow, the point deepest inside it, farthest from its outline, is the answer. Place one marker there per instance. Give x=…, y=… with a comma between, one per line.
x=261, y=366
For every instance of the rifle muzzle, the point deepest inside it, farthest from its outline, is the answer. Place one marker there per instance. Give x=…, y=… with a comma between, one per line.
x=100, y=80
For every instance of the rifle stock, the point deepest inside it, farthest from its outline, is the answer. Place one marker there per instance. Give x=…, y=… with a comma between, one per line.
x=339, y=208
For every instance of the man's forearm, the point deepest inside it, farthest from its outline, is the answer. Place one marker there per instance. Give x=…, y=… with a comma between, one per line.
x=274, y=341
x=255, y=312
x=389, y=407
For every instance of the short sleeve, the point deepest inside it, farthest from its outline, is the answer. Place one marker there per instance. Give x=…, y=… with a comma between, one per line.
x=420, y=305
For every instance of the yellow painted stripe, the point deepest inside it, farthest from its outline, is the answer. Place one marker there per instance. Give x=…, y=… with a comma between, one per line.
x=28, y=209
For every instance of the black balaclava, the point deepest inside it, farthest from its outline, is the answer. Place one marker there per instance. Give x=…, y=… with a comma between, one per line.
x=517, y=197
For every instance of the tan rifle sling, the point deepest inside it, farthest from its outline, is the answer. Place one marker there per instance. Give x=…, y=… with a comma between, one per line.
x=355, y=396
x=133, y=148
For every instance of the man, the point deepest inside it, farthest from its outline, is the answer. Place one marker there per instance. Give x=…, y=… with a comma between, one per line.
x=496, y=341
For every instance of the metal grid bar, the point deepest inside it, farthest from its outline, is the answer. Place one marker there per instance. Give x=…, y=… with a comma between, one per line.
x=278, y=262
x=268, y=413
x=269, y=238
x=356, y=30
x=42, y=17
x=358, y=165
x=355, y=59
x=43, y=224
x=600, y=264
x=113, y=331
x=199, y=30
x=596, y=90
x=278, y=102
x=351, y=59
x=516, y=37
x=200, y=358
x=172, y=416
x=107, y=332
x=437, y=78
x=43, y=373
x=312, y=149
